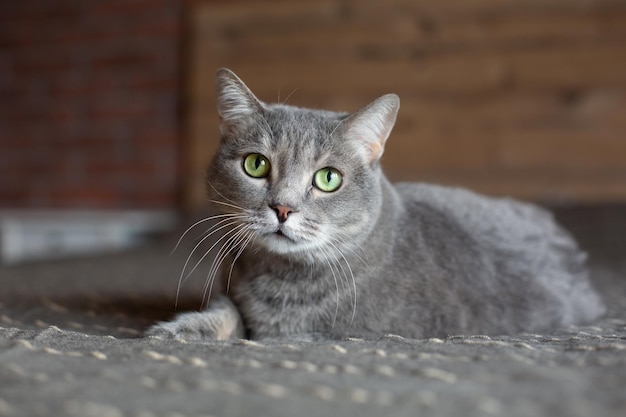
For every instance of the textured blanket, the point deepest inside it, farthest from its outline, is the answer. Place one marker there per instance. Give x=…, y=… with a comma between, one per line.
x=71, y=344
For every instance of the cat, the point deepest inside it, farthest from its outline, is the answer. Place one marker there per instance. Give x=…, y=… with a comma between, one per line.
x=321, y=243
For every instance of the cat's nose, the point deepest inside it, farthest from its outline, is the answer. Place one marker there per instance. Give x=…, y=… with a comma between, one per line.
x=282, y=212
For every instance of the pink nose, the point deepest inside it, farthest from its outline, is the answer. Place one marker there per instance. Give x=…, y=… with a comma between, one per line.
x=282, y=212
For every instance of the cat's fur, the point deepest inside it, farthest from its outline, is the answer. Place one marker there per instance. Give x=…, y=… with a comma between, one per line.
x=371, y=258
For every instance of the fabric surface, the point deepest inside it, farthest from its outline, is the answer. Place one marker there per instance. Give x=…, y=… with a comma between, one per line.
x=71, y=344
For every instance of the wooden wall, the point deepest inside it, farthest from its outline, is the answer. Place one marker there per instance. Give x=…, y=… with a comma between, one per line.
x=525, y=98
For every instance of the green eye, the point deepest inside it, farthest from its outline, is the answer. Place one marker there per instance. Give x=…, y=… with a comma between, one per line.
x=327, y=179
x=256, y=165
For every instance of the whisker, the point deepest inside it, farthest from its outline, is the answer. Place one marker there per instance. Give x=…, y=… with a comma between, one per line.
x=353, y=282
x=231, y=244
x=289, y=96
x=206, y=219
x=217, y=192
x=182, y=279
x=227, y=204
x=345, y=283
x=248, y=238
x=213, y=228
x=324, y=254
x=225, y=249
x=353, y=251
x=232, y=231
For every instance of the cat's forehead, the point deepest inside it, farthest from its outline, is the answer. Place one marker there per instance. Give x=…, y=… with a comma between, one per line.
x=298, y=122
x=301, y=130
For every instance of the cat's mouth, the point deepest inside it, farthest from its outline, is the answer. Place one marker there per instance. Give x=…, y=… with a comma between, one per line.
x=282, y=235
x=283, y=240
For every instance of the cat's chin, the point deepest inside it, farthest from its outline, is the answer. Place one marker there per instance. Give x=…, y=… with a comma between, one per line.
x=282, y=244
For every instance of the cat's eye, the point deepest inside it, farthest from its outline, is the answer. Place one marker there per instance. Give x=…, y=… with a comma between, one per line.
x=256, y=165
x=327, y=179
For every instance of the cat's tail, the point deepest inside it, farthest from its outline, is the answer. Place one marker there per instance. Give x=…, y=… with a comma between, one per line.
x=582, y=304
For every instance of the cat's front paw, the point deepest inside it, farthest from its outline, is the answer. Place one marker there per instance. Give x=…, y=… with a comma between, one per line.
x=182, y=328
x=220, y=321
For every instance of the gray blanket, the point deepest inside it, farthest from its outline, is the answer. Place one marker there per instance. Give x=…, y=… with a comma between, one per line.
x=70, y=344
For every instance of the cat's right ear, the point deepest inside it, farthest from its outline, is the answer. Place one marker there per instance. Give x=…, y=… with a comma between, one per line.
x=235, y=101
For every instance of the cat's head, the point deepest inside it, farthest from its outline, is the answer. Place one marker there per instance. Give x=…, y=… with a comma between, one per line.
x=297, y=180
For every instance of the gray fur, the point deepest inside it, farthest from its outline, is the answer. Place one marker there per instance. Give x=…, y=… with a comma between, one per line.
x=374, y=258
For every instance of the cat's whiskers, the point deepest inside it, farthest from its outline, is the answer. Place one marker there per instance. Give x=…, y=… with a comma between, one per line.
x=250, y=237
x=229, y=222
x=351, y=248
x=232, y=217
x=231, y=244
x=327, y=258
x=220, y=194
x=288, y=96
x=241, y=209
x=336, y=261
x=224, y=249
x=207, y=234
x=183, y=278
x=238, y=240
x=206, y=219
x=353, y=281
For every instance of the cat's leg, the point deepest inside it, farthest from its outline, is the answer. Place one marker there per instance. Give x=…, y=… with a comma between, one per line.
x=220, y=321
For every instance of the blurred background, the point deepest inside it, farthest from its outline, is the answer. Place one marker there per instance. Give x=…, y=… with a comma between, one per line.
x=108, y=119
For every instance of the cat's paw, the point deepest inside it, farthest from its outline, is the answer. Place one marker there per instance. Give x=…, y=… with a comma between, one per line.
x=220, y=321
x=183, y=327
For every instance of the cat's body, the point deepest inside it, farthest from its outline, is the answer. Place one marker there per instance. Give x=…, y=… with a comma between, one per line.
x=322, y=243
x=440, y=261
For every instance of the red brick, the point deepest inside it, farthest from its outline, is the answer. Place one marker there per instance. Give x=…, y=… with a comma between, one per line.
x=133, y=6
x=82, y=85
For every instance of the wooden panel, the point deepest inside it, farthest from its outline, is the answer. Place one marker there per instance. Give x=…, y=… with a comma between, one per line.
x=523, y=98
x=404, y=36
x=562, y=151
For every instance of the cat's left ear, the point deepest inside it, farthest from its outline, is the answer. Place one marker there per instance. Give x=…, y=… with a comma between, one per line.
x=371, y=126
x=235, y=102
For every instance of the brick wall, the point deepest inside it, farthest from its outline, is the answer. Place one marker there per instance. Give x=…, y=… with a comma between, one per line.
x=89, y=96
x=509, y=97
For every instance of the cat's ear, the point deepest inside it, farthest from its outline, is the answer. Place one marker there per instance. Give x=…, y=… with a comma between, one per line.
x=370, y=127
x=235, y=101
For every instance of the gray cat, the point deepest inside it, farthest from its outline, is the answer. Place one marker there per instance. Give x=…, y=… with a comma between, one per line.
x=319, y=242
